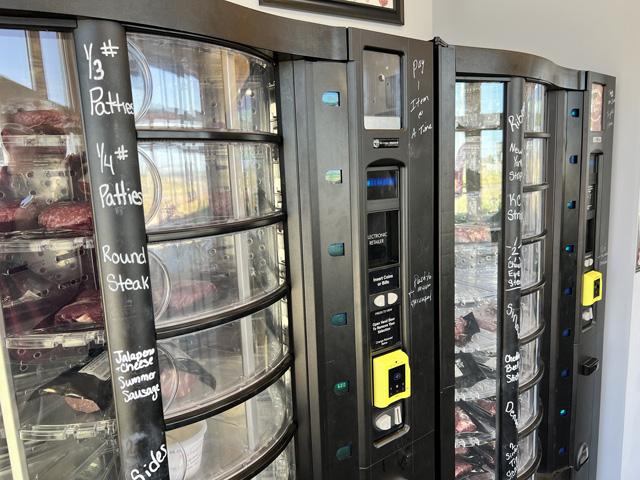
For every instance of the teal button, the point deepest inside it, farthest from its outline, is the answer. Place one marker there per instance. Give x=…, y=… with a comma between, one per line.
x=331, y=99
x=341, y=388
x=336, y=249
x=339, y=319
x=333, y=176
x=344, y=452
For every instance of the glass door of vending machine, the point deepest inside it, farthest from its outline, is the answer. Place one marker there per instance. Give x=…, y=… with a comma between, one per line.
x=499, y=236
x=210, y=169
x=209, y=162
x=57, y=407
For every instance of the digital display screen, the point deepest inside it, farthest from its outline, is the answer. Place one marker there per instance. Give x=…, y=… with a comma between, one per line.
x=382, y=184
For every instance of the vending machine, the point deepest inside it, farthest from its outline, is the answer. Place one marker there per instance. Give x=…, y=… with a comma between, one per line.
x=531, y=163
x=234, y=246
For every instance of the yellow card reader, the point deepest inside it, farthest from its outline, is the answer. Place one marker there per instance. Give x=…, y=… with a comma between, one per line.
x=391, y=378
x=592, y=288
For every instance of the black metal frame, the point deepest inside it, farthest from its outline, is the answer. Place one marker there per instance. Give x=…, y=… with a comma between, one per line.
x=345, y=8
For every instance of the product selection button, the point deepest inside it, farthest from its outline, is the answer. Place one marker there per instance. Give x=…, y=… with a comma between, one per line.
x=392, y=298
x=379, y=301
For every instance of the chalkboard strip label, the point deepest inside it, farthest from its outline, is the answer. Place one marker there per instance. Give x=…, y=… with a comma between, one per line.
x=121, y=243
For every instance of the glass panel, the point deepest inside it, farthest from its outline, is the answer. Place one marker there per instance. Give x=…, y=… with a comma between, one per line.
x=478, y=203
x=532, y=264
x=527, y=451
x=530, y=360
x=531, y=313
x=43, y=182
x=533, y=166
x=532, y=213
x=530, y=407
x=194, y=279
x=597, y=107
x=283, y=468
x=184, y=84
x=534, y=98
x=219, y=447
x=187, y=185
x=382, y=90
x=199, y=368
x=479, y=105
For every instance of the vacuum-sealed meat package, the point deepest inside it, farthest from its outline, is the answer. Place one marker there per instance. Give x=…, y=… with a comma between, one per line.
x=186, y=295
x=87, y=309
x=76, y=216
x=486, y=317
x=86, y=389
x=462, y=468
x=465, y=328
x=18, y=215
x=467, y=371
x=464, y=424
x=29, y=298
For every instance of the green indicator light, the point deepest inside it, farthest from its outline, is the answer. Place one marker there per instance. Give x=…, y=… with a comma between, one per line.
x=339, y=319
x=341, y=388
x=333, y=176
x=343, y=453
x=336, y=249
x=564, y=412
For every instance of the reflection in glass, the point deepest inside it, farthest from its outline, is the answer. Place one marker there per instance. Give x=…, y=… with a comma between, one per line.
x=533, y=166
x=187, y=185
x=534, y=101
x=478, y=209
x=198, y=278
x=530, y=313
x=597, y=107
x=382, y=90
x=532, y=262
x=532, y=213
x=184, y=84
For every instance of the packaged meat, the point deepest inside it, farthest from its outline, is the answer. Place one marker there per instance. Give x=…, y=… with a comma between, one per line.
x=486, y=317
x=44, y=121
x=462, y=468
x=86, y=389
x=464, y=424
x=465, y=328
x=76, y=216
x=18, y=215
x=186, y=295
x=467, y=371
x=28, y=298
x=462, y=450
x=87, y=308
x=487, y=406
x=472, y=234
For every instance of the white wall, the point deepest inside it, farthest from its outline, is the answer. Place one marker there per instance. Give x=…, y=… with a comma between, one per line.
x=602, y=36
x=417, y=18
x=586, y=34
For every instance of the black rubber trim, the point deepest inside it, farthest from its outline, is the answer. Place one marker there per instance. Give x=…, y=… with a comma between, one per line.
x=535, y=380
x=532, y=336
x=210, y=230
x=215, y=320
x=535, y=238
x=200, y=135
x=270, y=455
x=31, y=23
x=133, y=28
x=530, y=472
x=538, y=187
x=234, y=398
x=537, y=135
x=533, y=288
x=532, y=427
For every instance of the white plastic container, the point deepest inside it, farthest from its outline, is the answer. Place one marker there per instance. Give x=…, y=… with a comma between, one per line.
x=185, y=450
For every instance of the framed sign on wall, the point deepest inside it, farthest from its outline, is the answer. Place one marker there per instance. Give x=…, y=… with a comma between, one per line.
x=390, y=11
